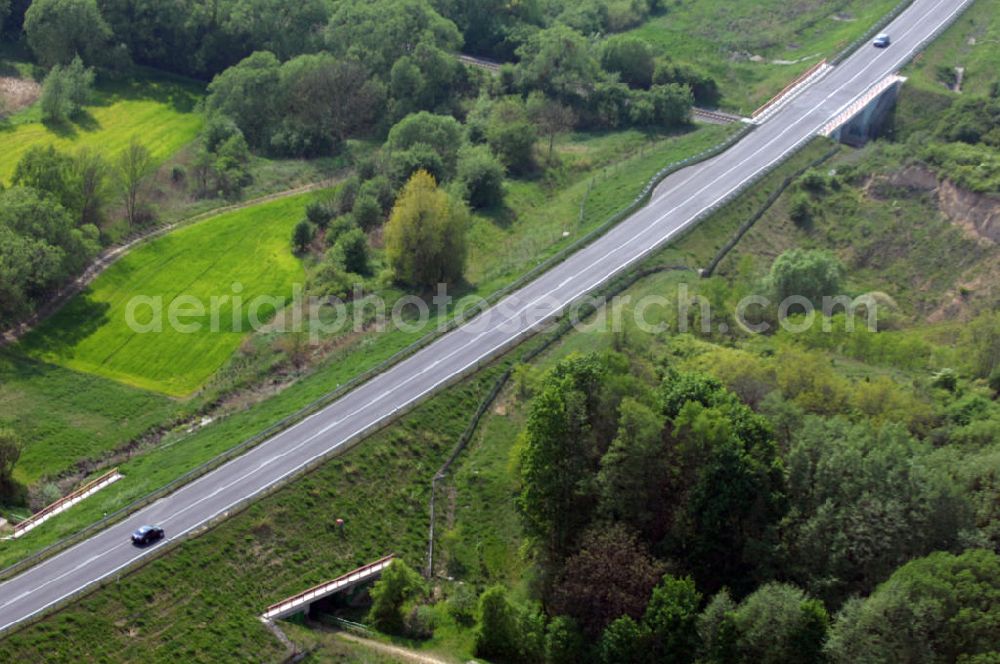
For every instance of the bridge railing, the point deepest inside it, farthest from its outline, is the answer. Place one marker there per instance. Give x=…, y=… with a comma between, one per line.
x=795, y=82
x=65, y=502
x=322, y=589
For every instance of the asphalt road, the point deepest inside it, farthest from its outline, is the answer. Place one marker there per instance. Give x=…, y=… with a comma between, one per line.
x=677, y=203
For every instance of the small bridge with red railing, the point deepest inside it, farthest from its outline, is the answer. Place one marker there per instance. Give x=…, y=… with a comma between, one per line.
x=301, y=602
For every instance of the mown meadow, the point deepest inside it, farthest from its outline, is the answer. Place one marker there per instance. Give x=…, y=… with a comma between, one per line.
x=158, y=109
x=243, y=253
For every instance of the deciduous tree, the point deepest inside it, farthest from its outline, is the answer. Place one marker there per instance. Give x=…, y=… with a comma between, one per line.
x=442, y=133
x=671, y=618
x=862, y=503
x=942, y=608
x=397, y=584
x=133, y=166
x=611, y=576
x=629, y=57
x=247, y=93
x=59, y=30
x=425, y=237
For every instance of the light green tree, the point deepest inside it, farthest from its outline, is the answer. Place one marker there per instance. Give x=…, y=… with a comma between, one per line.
x=942, y=608
x=425, y=239
x=398, y=584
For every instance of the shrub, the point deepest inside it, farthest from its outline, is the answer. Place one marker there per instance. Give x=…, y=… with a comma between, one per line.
x=801, y=210
x=419, y=623
x=629, y=57
x=398, y=584
x=811, y=274
x=330, y=280
x=338, y=227
x=367, y=212
x=10, y=452
x=564, y=643
x=379, y=188
x=351, y=251
x=496, y=636
x=66, y=90
x=441, y=133
x=513, y=142
x=462, y=606
x=813, y=181
x=319, y=213
x=946, y=379
x=343, y=199
x=419, y=157
x=302, y=235
x=481, y=177
x=217, y=131
x=994, y=381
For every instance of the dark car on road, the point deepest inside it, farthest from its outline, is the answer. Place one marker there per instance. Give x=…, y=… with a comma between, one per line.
x=147, y=535
x=882, y=41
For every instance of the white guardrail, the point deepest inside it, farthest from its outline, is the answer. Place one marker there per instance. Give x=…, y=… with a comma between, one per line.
x=296, y=603
x=860, y=103
x=63, y=504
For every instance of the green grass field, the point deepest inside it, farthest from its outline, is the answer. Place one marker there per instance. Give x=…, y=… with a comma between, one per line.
x=64, y=416
x=159, y=111
x=719, y=37
x=971, y=44
x=249, y=247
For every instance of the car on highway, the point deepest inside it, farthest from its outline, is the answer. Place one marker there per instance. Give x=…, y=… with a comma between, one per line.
x=147, y=535
x=881, y=40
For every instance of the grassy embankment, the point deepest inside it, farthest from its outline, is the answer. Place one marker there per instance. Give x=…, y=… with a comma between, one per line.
x=546, y=211
x=784, y=38
x=200, y=602
x=970, y=44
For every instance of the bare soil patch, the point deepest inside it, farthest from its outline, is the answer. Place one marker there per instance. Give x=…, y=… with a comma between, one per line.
x=18, y=93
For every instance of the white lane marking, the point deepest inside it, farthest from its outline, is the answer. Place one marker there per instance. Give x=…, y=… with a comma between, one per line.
x=63, y=575
x=506, y=341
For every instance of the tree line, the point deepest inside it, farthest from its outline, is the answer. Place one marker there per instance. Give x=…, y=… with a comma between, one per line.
x=299, y=80
x=52, y=214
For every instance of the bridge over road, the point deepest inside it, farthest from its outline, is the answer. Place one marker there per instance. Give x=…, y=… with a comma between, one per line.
x=680, y=202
